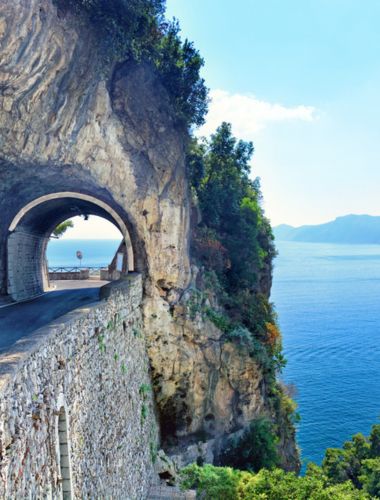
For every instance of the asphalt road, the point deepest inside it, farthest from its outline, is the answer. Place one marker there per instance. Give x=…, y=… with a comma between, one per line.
x=17, y=321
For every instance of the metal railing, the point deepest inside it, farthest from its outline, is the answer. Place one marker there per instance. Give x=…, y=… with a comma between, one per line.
x=74, y=269
x=93, y=270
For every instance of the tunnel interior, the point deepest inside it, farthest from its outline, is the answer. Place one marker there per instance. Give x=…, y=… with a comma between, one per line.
x=31, y=229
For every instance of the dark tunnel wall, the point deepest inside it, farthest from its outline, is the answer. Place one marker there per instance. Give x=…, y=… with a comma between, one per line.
x=22, y=246
x=29, y=235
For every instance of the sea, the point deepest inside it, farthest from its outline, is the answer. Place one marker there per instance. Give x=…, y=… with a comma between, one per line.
x=96, y=253
x=328, y=302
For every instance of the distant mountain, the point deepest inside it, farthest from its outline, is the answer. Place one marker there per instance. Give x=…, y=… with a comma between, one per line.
x=347, y=229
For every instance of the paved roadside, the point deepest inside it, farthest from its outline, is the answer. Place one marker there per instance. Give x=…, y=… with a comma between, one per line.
x=19, y=320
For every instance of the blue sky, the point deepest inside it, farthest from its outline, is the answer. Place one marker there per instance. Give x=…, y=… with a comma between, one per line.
x=300, y=79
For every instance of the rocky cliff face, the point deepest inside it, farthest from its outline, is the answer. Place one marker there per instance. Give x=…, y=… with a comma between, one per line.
x=64, y=125
x=205, y=386
x=208, y=388
x=67, y=126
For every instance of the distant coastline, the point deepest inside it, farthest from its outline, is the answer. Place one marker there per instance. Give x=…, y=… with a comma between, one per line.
x=350, y=229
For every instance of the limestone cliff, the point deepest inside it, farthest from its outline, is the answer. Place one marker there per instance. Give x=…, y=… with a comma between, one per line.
x=67, y=126
x=208, y=388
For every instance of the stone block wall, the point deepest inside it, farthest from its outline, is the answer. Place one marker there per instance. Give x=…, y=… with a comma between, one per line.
x=76, y=406
x=82, y=274
x=25, y=279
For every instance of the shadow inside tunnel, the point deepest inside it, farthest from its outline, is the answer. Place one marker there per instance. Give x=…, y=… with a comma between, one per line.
x=19, y=320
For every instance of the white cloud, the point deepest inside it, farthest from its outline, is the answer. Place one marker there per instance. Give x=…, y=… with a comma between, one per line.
x=248, y=115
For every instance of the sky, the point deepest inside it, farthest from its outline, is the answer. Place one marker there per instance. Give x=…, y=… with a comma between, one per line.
x=94, y=228
x=301, y=79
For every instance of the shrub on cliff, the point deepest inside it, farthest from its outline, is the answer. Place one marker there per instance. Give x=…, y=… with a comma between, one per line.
x=358, y=461
x=211, y=482
x=223, y=482
x=234, y=242
x=239, y=244
x=137, y=29
x=179, y=65
x=234, y=239
x=125, y=27
x=255, y=449
x=230, y=206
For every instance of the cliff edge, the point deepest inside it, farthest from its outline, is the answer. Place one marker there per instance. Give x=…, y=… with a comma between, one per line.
x=70, y=122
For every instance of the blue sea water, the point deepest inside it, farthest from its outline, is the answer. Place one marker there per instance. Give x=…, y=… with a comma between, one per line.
x=328, y=301
x=96, y=253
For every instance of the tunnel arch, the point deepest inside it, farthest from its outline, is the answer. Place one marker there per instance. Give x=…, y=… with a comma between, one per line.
x=29, y=233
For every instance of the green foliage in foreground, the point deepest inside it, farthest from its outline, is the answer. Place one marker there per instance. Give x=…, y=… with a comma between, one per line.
x=213, y=483
x=137, y=30
x=349, y=473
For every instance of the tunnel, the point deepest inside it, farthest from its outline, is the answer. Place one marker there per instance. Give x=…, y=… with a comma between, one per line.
x=31, y=229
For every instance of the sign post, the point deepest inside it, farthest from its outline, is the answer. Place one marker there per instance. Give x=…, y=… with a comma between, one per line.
x=80, y=257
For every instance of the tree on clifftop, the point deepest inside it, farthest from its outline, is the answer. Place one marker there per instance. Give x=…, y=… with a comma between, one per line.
x=234, y=238
x=137, y=30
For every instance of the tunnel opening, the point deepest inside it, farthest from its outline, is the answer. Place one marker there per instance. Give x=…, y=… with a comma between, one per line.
x=86, y=247
x=31, y=229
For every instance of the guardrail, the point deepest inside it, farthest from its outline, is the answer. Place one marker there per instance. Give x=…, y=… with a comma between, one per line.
x=73, y=269
x=77, y=272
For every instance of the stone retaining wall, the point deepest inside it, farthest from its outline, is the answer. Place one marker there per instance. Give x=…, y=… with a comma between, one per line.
x=83, y=274
x=25, y=261
x=76, y=407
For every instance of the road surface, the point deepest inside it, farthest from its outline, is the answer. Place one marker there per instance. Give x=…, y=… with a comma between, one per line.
x=19, y=320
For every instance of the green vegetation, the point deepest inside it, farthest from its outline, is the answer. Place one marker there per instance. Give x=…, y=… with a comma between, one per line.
x=255, y=449
x=213, y=482
x=144, y=412
x=153, y=448
x=257, y=350
x=62, y=228
x=137, y=30
x=144, y=390
x=234, y=240
x=101, y=343
x=352, y=472
x=136, y=333
x=221, y=321
x=233, y=229
x=233, y=245
x=179, y=65
x=358, y=461
x=126, y=28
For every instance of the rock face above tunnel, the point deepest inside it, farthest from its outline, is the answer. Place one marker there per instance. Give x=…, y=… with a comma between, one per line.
x=65, y=126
